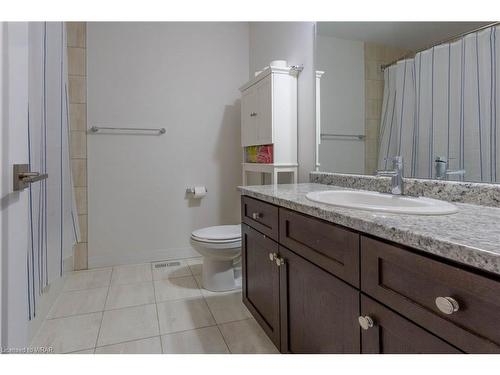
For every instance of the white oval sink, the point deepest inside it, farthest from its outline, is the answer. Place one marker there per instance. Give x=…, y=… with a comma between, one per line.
x=373, y=201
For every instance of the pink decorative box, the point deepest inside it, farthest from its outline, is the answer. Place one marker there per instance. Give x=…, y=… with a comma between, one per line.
x=259, y=154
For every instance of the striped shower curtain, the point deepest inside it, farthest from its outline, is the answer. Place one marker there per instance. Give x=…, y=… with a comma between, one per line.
x=53, y=227
x=444, y=102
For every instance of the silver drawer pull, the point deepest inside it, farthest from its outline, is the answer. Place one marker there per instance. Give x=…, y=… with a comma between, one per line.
x=366, y=322
x=447, y=305
x=253, y=114
x=256, y=215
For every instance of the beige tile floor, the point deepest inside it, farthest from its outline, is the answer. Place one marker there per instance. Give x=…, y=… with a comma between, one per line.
x=142, y=309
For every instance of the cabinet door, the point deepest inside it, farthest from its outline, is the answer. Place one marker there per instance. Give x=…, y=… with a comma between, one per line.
x=248, y=117
x=264, y=111
x=319, y=312
x=393, y=334
x=261, y=281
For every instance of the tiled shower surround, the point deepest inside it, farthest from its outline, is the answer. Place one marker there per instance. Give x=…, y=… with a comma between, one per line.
x=77, y=72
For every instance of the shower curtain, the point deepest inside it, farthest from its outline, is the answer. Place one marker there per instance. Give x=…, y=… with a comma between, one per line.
x=53, y=224
x=444, y=102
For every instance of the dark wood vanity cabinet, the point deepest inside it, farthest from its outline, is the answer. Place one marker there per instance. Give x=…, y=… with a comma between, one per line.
x=316, y=287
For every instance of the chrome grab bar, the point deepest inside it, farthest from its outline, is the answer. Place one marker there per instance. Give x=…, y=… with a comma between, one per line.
x=358, y=136
x=95, y=129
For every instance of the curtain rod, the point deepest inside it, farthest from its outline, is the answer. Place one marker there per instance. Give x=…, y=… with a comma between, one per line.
x=447, y=40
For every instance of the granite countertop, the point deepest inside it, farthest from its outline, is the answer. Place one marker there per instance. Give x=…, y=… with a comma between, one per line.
x=471, y=236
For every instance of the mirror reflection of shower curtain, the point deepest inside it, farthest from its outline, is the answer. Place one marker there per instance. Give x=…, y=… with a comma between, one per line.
x=53, y=224
x=445, y=102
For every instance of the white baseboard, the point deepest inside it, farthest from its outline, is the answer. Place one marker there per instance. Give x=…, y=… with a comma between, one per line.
x=117, y=258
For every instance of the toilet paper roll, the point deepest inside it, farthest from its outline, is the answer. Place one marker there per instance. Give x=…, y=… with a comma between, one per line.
x=199, y=192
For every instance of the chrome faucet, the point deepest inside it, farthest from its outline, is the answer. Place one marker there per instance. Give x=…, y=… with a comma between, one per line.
x=441, y=168
x=396, y=174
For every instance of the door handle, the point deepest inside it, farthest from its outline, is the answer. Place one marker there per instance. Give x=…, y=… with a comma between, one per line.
x=30, y=177
x=23, y=177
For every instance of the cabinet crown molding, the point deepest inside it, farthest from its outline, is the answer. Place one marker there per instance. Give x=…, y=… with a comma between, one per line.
x=269, y=70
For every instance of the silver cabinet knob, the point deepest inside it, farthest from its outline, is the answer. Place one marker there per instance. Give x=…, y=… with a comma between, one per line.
x=366, y=322
x=256, y=215
x=447, y=305
x=279, y=261
x=253, y=114
x=272, y=256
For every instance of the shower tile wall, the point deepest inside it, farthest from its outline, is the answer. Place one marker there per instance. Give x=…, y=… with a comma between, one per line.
x=375, y=56
x=77, y=71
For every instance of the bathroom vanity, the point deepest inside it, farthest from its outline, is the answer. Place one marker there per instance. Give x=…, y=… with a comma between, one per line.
x=323, y=279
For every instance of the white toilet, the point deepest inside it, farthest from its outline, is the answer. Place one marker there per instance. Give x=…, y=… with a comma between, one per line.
x=220, y=247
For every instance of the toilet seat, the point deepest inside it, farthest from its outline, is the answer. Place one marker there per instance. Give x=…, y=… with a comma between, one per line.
x=217, y=245
x=222, y=234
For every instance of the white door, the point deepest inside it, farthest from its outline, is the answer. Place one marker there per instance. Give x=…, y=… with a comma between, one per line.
x=14, y=205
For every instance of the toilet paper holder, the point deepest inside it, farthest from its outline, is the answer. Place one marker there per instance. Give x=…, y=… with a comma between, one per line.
x=190, y=190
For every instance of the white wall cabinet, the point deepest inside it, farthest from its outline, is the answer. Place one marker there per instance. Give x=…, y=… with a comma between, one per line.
x=269, y=116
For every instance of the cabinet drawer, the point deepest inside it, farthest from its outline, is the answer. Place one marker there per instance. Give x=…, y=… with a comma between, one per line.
x=260, y=215
x=393, y=334
x=329, y=246
x=410, y=283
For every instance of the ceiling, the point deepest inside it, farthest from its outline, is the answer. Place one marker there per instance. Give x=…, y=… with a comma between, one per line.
x=408, y=35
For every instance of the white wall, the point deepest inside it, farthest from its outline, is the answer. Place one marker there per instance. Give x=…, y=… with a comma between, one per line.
x=181, y=76
x=294, y=42
x=342, y=103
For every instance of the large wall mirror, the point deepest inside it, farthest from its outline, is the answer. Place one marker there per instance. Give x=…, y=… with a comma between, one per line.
x=429, y=92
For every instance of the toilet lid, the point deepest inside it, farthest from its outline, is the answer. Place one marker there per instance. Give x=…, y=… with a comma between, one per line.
x=221, y=232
